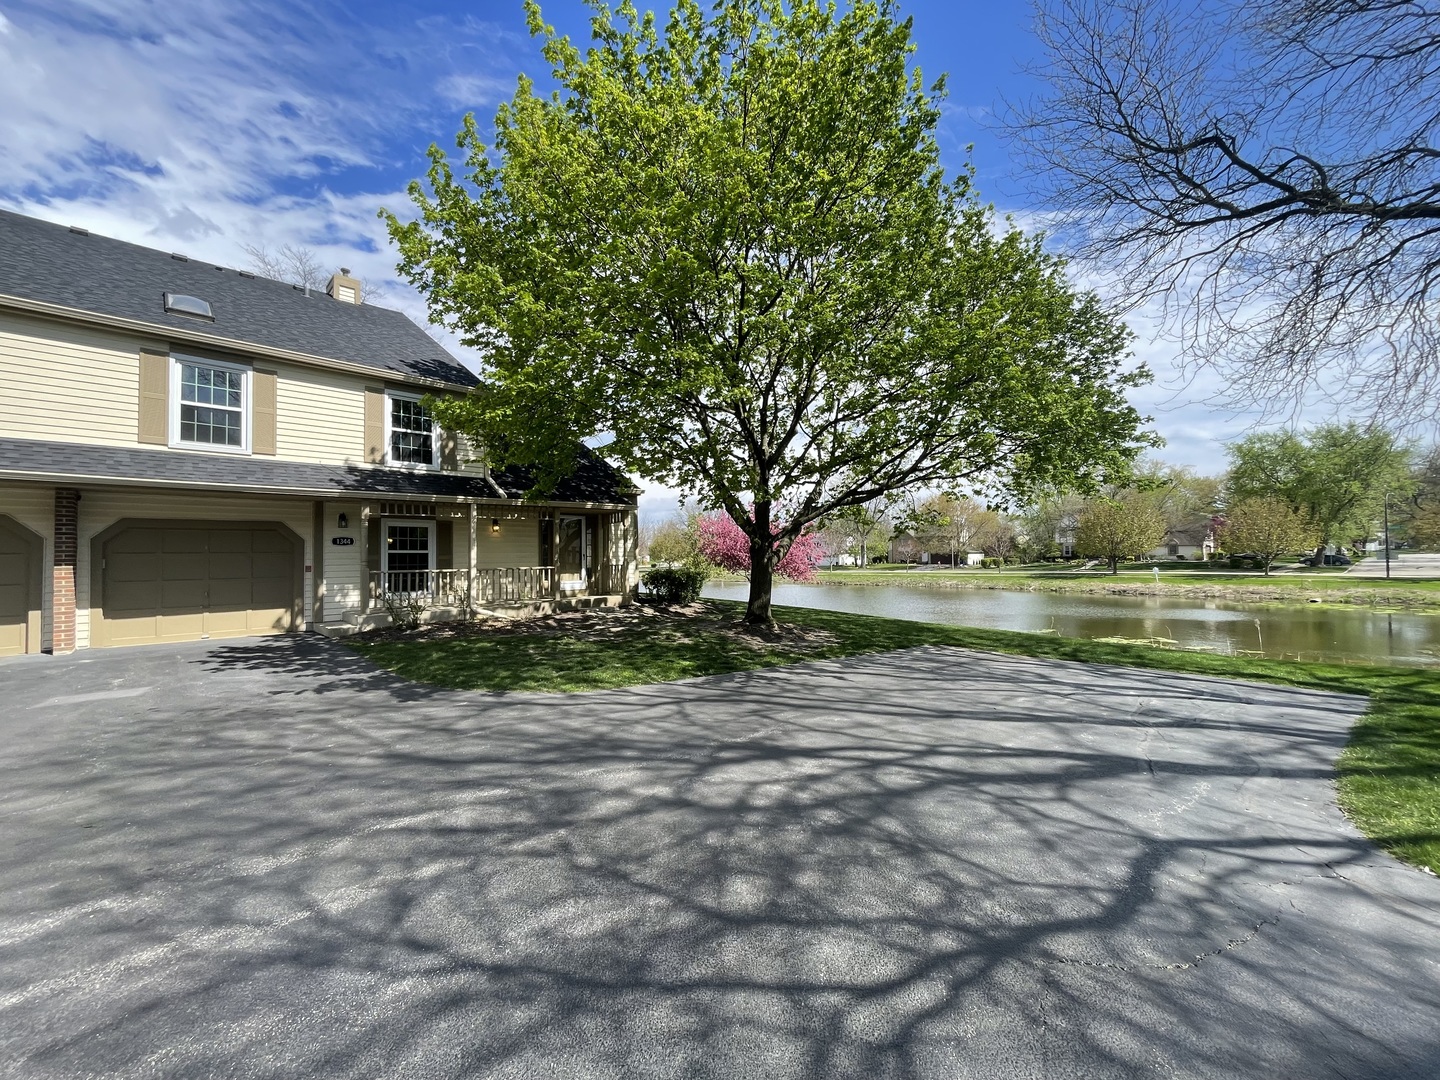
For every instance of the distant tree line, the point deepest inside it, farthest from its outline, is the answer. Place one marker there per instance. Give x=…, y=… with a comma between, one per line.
x=1284, y=493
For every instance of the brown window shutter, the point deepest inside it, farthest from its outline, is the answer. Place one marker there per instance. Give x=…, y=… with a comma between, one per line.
x=374, y=424
x=449, y=451
x=262, y=412
x=154, y=398
x=444, y=545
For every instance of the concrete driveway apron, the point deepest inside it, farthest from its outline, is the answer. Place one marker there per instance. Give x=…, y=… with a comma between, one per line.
x=268, y=859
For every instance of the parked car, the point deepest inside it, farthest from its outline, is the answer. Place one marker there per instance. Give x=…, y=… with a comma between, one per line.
x=1330, y=560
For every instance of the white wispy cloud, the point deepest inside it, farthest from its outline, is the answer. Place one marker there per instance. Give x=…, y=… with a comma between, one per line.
x=472, y=91
x=206, y=127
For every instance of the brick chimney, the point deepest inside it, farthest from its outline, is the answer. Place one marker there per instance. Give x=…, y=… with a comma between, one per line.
x=343, y=287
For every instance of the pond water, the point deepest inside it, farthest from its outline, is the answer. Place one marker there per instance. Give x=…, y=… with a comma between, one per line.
x=1295, y=633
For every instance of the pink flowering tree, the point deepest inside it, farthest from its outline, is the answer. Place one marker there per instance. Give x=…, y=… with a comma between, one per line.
x=726, y=545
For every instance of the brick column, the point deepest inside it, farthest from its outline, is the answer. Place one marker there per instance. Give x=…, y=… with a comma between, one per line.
x=67, y=547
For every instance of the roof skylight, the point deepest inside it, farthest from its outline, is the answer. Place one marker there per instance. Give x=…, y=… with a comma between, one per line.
x=181, y=304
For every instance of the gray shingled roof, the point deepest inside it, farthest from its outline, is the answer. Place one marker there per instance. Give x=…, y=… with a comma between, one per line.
x=19, y=457
x=77, y=462
x=592, y=480
x=53, y=264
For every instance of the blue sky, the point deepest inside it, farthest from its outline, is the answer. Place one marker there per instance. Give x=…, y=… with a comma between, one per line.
x=202, y=126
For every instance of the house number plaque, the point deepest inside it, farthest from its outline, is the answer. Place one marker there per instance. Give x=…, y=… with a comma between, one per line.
x=343, y=541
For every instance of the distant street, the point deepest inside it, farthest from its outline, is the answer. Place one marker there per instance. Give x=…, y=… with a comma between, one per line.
x=1403, y=564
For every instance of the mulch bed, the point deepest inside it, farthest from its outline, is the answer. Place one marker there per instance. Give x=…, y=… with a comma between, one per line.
x=593, y=624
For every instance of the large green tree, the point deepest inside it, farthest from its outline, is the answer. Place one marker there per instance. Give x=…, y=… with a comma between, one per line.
x=1123, y=527
x=948, y=523
x=730, y=245
x=1268, y=526
x=1416, y=519
x=1337, y=474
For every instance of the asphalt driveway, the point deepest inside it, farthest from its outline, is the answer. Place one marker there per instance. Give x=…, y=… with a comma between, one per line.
x=267, y=859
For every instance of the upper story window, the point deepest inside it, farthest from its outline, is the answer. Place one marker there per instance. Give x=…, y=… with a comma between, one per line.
x=210, y=404
x=411, y=432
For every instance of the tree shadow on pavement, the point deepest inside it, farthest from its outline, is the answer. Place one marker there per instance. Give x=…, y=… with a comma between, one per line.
x=923, y=864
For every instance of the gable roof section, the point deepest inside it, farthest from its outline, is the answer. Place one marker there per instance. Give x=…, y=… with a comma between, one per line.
x=1191, y=533
x=592, y=480
x=52, y=264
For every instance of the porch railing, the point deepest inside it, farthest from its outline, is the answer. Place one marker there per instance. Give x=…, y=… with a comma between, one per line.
x=514, y=584
x=423, y=588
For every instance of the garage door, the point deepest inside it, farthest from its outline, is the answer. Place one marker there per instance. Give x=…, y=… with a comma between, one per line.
x=183, y=582
x=19, y=591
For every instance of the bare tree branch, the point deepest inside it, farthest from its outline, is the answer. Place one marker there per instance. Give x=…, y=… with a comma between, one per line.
x=1265, y=170
x=296, y=265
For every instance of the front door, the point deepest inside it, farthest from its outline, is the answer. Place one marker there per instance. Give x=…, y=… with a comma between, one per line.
x=572, y=561
x=408, y=556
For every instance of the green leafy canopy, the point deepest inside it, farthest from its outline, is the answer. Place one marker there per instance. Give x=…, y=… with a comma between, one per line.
x=730, y=246
x=1125, y=527
x=1337, y=474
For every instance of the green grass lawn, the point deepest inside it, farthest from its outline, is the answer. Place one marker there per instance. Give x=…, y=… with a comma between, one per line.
x=1389, y=775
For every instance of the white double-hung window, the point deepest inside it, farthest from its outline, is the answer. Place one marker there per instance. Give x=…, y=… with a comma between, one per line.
x=410, y=432
x=209, y=404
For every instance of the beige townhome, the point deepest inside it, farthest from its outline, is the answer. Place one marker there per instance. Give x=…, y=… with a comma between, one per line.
x=189, y=451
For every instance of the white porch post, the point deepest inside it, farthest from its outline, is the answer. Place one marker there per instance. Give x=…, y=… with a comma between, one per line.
x=365, y=598
x=474, y=550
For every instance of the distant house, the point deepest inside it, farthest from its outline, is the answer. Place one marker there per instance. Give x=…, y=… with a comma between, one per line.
x=1194, y=539
x=905, y=547
x=1065, y=535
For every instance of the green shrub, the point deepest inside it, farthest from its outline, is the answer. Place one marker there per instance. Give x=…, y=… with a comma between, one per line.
x=674, y=584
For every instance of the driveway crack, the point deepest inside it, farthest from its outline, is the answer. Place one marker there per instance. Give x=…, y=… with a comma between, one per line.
x=1229, y=946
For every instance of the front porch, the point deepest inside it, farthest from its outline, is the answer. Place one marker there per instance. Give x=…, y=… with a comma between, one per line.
x=421, y=563
x=424, y=596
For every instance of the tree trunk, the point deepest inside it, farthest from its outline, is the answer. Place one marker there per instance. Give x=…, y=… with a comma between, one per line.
x=1115, y=564
x=762, y=570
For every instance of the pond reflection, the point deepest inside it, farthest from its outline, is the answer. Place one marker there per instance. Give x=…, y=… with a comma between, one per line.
x=1292, y=632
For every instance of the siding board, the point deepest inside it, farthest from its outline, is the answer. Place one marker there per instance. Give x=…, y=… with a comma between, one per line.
x=517, y=543
x=344, y=571
x=68, y=385
x=79, y=385
x=320, y=416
